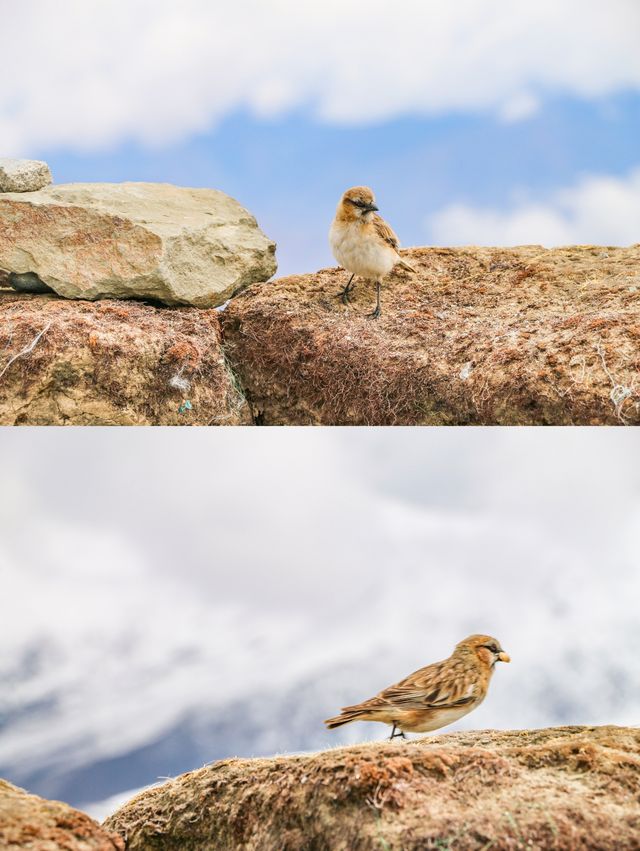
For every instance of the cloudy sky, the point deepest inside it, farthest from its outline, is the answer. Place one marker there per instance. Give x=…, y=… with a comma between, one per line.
x=476, y=121
x=149, y=581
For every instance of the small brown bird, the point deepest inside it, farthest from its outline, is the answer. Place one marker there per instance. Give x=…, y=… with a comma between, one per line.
x=433, y=696
x=362, y=242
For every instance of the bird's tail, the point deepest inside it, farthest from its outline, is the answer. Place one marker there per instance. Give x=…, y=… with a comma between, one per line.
x=346, y=717
x=404, y=265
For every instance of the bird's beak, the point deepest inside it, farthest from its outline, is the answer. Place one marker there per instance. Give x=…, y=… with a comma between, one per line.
x=370, y=208
x=503, y=657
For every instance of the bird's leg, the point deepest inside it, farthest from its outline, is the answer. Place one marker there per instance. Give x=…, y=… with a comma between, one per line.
x=346, y=291
x=376, y=312
x=397, y=735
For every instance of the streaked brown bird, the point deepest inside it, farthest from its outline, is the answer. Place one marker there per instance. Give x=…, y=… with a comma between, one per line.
x=434, y=696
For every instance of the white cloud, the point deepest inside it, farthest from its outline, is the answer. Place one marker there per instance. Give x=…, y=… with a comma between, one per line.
x=522, y=105
x=598, y=210
x=87, y=75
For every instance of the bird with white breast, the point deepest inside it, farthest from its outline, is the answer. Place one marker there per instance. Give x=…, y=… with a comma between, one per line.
x=363, y=243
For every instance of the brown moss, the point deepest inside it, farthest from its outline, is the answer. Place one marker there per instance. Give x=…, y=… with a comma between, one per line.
x=465, y=340
x=105, y=362
x=30, y=822
x=561, y=788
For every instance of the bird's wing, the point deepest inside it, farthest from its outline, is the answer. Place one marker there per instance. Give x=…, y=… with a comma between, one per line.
x=440, y=686
x=385, y=231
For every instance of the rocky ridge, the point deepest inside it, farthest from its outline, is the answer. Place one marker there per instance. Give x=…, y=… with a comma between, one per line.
x=478, y=336
x=562, y=788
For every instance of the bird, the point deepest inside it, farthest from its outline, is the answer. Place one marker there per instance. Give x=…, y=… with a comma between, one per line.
x=434, y=696
x=363, y=243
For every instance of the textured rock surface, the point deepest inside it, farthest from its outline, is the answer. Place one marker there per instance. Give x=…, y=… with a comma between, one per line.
x=112, y=363
x=563, y=788
x=23, y=175
x=29, y=822
x=479, y=335
x=134, y=240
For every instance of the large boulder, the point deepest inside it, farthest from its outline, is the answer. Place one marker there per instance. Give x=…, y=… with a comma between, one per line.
x=30, y=823
x=23, y=175
x=477, y=336
x=561, y=788
x=113, y=363
x=134, y=240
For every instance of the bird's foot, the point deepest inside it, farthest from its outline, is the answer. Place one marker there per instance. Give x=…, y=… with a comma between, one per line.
x=374, y=313
x=344, y=295
x=396, y=733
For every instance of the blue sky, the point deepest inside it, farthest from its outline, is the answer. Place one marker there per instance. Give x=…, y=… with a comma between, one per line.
x=290, y=171
x=479, y=124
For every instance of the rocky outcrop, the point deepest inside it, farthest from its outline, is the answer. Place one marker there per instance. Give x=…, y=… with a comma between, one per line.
x=23, y=175
x=564, y=788
x=29, y=822
x=134, y=240
x=113, y=363
x=478, y=336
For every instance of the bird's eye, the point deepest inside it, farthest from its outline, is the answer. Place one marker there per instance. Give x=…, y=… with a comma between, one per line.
x=491, y=647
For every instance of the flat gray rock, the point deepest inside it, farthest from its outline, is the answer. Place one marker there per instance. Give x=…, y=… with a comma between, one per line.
x=23, y=175
x=133, y=240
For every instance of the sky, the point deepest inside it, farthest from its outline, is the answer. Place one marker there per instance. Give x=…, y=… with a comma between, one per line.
x=272, y=576
x=475, y=122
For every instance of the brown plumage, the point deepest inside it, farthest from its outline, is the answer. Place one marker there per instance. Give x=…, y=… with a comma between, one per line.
x=434, y=696
x=362, y=242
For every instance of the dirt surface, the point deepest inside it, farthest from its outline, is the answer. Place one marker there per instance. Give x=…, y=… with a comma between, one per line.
x=113, y=363
x=561, y=788
x=478, y=336
x=33, y=823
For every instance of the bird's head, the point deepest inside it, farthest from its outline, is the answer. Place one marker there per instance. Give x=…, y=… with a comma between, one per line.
x=487, y=649
x=357, y=202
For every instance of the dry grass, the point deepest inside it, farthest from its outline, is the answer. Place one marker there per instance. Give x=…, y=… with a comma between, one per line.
x=561, y=788
x=478, y=336
x=112, y=363
x=29, y=822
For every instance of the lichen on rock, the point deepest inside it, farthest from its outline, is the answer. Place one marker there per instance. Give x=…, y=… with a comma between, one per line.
x=486, y=336
x=23, y=175
x=113, y=363
x=30, y=823
x=560, y=788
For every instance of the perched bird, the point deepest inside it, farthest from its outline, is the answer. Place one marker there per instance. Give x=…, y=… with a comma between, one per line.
x=433, y=696
x=362, y=242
